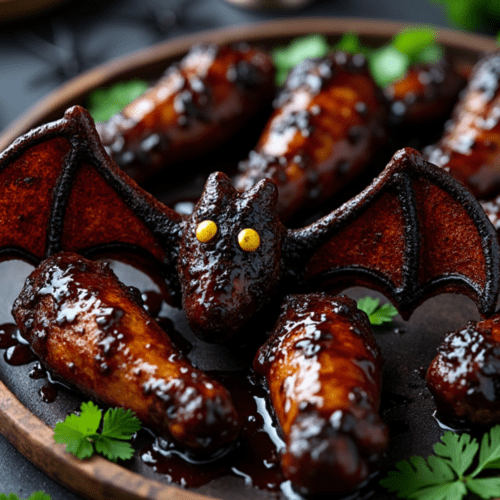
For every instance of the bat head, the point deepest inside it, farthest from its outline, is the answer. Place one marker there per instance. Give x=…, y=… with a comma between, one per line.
x=230, y=256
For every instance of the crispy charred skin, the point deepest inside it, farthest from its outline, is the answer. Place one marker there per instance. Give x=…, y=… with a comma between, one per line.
x=464, y=377
x=469, y=148
x=323, y=369
x=327, y=123
x=427, y=92
x=197, y=105
x=90, y=330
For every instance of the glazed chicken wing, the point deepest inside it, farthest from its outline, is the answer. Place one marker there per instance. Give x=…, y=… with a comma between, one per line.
x=427, y=92
x=327, y=123
x=470, y=146
x=91, y=331
x=464, y=377
x=323, y=370
x=197, y=105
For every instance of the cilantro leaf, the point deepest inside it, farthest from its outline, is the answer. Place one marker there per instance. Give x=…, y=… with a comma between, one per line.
x=459, y=450
x=120, y=424
x=443, y=475
x=351, y=43
x=413, y=41
x=113, y=449
x=77, y=442
x=103, y=103
x=388, y=65
x=306, y=47
x=470, y=14
x=80, y=432
x=38, y=495
x=377, y=314
x=490, y=450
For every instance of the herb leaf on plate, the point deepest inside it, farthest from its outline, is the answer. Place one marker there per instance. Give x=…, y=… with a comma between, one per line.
x=443, y=475
x=103, y=103
x=80, y=432
x=377, y=314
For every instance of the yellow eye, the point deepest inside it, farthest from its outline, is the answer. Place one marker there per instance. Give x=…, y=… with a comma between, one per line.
x=249, y=240
x=206, y=230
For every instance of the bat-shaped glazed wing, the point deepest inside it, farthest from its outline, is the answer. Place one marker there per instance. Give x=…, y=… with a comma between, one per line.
x=413, y=233
x=60, y=191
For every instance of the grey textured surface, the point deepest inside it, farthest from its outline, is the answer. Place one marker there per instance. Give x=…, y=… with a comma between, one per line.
x=103, y=30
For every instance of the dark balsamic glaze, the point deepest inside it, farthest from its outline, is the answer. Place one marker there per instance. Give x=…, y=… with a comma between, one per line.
x=48, y=392
x=18, y=351
x=255, y=457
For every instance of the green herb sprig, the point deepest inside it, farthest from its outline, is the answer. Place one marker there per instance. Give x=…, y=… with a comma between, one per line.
x=452, y=472
x=471, y=14
x=38, y=495
x=387, y=64
x=80, y=432
x=103, y=103
x=377, y=314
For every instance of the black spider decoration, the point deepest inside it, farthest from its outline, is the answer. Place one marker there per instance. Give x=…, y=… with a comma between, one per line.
x=63, y=50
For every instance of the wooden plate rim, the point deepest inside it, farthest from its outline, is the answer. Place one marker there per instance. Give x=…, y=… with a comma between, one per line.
x=97, y=478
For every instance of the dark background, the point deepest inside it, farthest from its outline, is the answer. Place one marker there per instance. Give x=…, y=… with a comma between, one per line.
x=37, y=55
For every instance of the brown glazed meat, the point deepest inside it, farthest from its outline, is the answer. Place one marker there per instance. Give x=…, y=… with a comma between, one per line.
x=327, y=123
x=197, y=105
x=464, y=377
x=427, y=92
x=470, y=146
x=91, y=331
x=323, y=369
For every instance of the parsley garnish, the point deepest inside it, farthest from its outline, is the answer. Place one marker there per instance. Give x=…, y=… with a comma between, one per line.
x=38, y=495
x=471, y=14
x=103, y=103
x=387, y=64
x=307, y=47
x=443, y=475
x=390, y=63
x=376, y=313
x=79, y=432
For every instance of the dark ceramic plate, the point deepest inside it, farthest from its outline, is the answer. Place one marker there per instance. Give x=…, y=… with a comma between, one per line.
x=408, y=347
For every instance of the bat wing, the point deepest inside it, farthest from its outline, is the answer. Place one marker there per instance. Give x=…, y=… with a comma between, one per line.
x=413, y=233
x=59, y=191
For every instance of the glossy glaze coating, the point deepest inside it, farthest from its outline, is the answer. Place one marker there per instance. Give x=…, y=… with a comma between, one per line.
x=223, y=285
x=59, y=191
x=323, y=370
x=464, y=377
x=427, y=92
x=469, y=148
x=91, y=330
x=197, y=105
x=327, y=123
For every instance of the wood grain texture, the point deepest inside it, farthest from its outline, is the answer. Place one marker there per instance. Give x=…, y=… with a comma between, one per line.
x=97, y=478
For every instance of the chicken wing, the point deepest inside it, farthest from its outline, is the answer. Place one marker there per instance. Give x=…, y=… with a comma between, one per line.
x=464, y=377
x=327, y=123
x=470, y=146
x=427, y=92
x=196, y=106
x=323, y=370
x=91, y=331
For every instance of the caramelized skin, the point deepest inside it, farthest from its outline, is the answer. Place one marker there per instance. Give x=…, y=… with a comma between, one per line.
x=465, y=375
x=469, y=147
x=90, y=330
x=197, y=105
x=323, y=369
x=427, y=92
x=223, y=286
x=327, y=123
